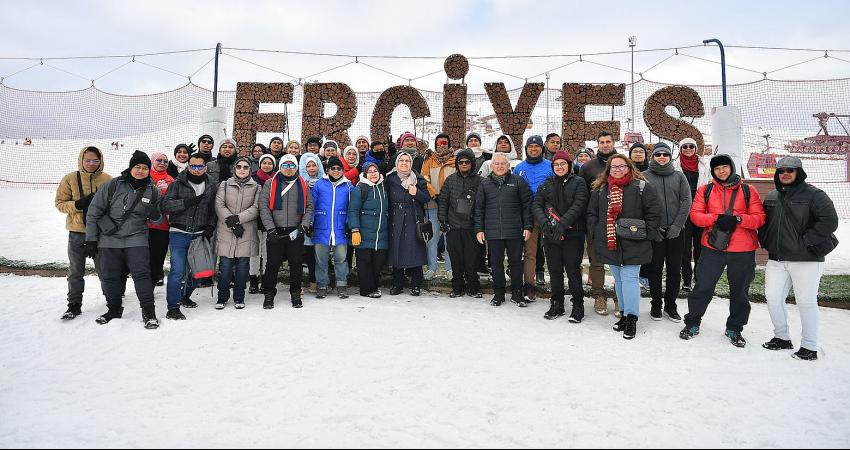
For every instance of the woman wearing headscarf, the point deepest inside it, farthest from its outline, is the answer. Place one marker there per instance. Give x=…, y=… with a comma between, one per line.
x=258, y=263
x=408, y=195
x=312, y=171
x=181, y=160
x=158, y=236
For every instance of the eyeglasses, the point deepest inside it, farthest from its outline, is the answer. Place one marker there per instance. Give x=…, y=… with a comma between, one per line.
x=562, y=164
x=91, y=161
x=161, y=160
x=663, y=155
x=784, y=171
x=242, y=167
x=288, y=166
x=619, y=167
x=206, y=142
x=689, y=147
x=197, y=166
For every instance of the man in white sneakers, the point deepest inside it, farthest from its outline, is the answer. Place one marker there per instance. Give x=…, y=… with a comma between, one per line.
x=798, y=234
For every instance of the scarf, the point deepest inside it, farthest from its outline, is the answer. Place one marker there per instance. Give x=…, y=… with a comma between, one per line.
x=443, y=156
x=407, y=179
x=642, y=166
x=603, y=158
x=225, y=166
x=658, y=169
x=262, y=177
x=138, y=184
x=161, y=179
x=478, y=151
x=196, y=179
x=534, y=159
x=689, y=164
x=615, y=207
x=278, y=185
x=500, y=179
x=179, y=165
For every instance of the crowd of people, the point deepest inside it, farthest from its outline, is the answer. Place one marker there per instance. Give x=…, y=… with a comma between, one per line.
x=387, y=205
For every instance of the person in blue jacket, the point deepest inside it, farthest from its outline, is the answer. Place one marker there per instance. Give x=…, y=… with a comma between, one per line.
x=369, y=221
x=330, y=227
x=535, y=170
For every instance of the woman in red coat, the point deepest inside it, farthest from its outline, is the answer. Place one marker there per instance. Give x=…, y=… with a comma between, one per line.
x=350, y=162
x=158, y=234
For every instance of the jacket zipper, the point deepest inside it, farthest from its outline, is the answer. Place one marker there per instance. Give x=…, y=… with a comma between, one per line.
x=666, y=209
x=333, y=213
x=380, y=216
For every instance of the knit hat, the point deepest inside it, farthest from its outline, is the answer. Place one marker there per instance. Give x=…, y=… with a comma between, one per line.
x=276, y=138
x=534, y=140
x=586, y=151
x=207, y=137
x=184, y=147
x=139, y=158
x=405, y=135
x=635, y=146
x=285, y=159
x=687, y=141
x=330, y=143
x=334, y=162
x=722, y=160
x=231, y=141
x=264, y=157
x=361, y=138
x=473, y=135
x=313, y=140
x=560, y=154
x=661, y=147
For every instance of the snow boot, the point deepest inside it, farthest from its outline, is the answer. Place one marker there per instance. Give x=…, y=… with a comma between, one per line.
x=673, y=313
x=254, y=287
x=631, y=327
x=805, y=354
x=601, y=306
x=175, y=314
x=498, y=299
x=556, y=310
x=577, y=314
x=113, y=313
x=188, y=303
x=655, y=311
x=296, y=300
x=149, y=318
x=620, y=326
x=73, y=311
x=519, y=299
x=689, y=333
x=268, y=302
x=736, y=338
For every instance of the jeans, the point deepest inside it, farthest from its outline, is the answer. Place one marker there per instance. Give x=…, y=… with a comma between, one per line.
x=804, y=277
x=226, y=267
x=627, y=285
x=340, y=265
x=434, y=243
x=175, y=291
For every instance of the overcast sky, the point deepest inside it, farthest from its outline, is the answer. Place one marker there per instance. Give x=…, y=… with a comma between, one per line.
x=430, y=28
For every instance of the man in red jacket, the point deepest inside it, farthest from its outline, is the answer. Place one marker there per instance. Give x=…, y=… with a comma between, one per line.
x=731, y=218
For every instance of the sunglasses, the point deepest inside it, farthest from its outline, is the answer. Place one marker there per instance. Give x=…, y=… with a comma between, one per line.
x=242, y=167
x=161, y=161
x=197, y=166
x=689, y=147
x=784, y=171
x=288, y=166
x=464, y=162
x=206, y=142
x=442, y=142
x=334, y=168
x=663, y=155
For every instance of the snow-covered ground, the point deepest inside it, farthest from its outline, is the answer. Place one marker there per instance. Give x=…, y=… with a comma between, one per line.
x=33, y=231
x=403, y=372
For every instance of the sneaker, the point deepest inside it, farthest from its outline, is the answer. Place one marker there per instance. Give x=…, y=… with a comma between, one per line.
x=149, y=318
x=456, y=294
x=631, y=327
x=672, y=314
x=530, y=293
x=416, y=292
x=254, y=287
x=498, y=299
x=296, y=300
x=519, y=299
x=375, y=294
x=112, y=313
x=778, y=344
x=441, y=258
x=321, y=293
x=342, y=291
x=239, y=304
x=474, y=294
x=601, y=306
x=72, y=312
x=429, y=275
x=618, y=313
x=175, y=314
x=268, y=302
x=160, y=283
x=577, y=314
x=396, y=291
x=736, y=339
x=655, y=312
x=644, y=283
x=220, y=304
x=541, y=279
x=188, y=303
x=689, y=333
x=805, y=354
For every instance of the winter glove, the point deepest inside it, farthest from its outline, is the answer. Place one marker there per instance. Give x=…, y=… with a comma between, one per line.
x=154, y=214
x=273, y=236
x=238, y=230
x=194, y=201
x=91, y=249
x=208, y=233
x=308, y=231
x=673, y=232
x=356, y=239
x=726, y=222
x=83, y=203
x=232, y=221
x=445, y=228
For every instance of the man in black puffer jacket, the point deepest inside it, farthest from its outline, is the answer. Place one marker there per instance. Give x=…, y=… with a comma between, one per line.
x=503, y=219
x=798, y=233
x=559, y=207
x=456, y=208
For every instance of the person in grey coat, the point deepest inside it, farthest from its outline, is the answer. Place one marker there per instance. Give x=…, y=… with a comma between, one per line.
x=408, y=195
x=674, y=194
x=221, y=168
x=117, y=232
x=236, y=238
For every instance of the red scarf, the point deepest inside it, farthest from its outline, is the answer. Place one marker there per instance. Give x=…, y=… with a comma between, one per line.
x=689, y=163
x=262, y=177
x=615, y=206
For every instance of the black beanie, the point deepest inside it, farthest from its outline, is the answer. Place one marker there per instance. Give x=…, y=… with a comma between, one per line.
x=183, y=146
x=139, y=158
x=276, y=138
x=313, y=140
x=205, y=136
x=334, y=161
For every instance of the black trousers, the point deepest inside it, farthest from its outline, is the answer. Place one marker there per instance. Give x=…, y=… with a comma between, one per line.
x=400, y=277
x=370, y=263
x=566, y=256
x=309, y=255
x=668, y=251
x=158, y=245
x=693, y=247
x=293, y=253
x=740, y=271
x=465, y=253
x=541, y=254
x=115, y=263
x=514, y=248
x=77, y=267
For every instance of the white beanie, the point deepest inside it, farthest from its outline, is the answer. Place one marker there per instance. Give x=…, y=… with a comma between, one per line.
x=288, y=158
x=687, y=141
